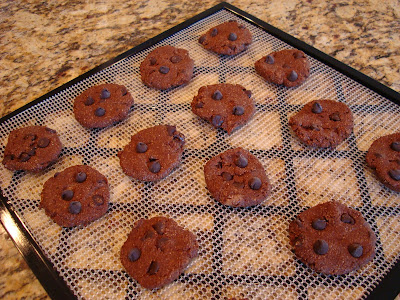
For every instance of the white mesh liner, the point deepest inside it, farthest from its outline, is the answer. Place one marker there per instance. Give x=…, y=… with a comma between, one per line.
x=243, y=252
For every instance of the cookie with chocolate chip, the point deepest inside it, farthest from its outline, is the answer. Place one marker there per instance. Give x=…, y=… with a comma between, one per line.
x=384, y=156
x=31, y=148
x=76, y=196
x=226, y=106
x=102, y=105
x=152, y=153
x=157, y=251
x=323, y=123
x=237, y=178
x=229, y=38
x=166, y=67
x=332, y=238
x=288, y=67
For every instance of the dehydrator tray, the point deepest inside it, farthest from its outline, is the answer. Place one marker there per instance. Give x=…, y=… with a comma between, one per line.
x=244, y=252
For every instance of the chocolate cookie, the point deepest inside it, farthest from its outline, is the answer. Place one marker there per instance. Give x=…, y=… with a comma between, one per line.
x=323, y=123
x=152, y=153
x=31, y=148
x=166, y=67
x=157, y=251
x=76, y=196
x=236, y=178
x=384, y=157
x=226, y=106
x=288, y=67
x=229, y=38
x=332, y=238
x=102, y=105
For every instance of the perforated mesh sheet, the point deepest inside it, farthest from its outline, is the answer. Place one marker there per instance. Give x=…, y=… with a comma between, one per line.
x=243, y=252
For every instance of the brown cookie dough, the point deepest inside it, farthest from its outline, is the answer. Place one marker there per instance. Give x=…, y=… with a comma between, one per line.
x=288, y=67
x=31, y=148
x=236, y=178
x=166, y=67
x=152, y=153
x=384, y=156
x=227, y=106
x=332, y=238
x=76, y=196
x=157, y=251
x=229, y=38
x=102, y=105
x=323, y=123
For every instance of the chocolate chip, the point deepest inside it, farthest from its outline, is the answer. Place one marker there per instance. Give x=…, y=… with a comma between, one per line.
x=141, y=147
x=179, y=137
x=153, y=61
x=89, y=101
x=153, y=268
x=241, y=26
x=346, y=218
x=30, y=136
x=32, y=152
x=217, y=120
x=292, y=76
x=217, y=95
x=199, y=104
x=175, y=59
x=270, y=60
x=50, y=130
x=202, y=39
x=238, y=110
x=315, y=127
x=75, y=207
x=105, y=94
x=99, y=112
x=241, y=161
x=248, y=93
x=43, y=142
x=171, y=130
x=335, y=116
x=395, y=146
x=124, y=91
x=134, y=254
x=316, y=108
x=24, y=157
x=395, y=174
x=148, y=235
x=239, y=185
x=232, y=36
x=219, y=165
x=161, y=242
x=255, y=183
x=159, y=227
x=214, y=32
x=67, y=194
x=298, y=54
x=356, y=250
x=98, y=200
x=56, y=174
x=9, y=157
x=164, y=69
x=80, y=177
x=227, y=176
x=319, y=224
x=321, y=247
x=154, y=167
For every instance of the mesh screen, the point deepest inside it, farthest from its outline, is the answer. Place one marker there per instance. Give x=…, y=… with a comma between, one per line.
x=243, y=252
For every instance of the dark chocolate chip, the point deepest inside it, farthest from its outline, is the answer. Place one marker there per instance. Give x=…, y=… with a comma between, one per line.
x=346, y=218
x=248, y=93
x=75, y=207
x=148, y=235
x=154, y=167
x=89, y=101
x=171, y=130
x=159, y=227
x=105, y=94
x=32, y=152
x=356, y=250
x=24, y=157
x=43, y=142
x=199, y=104
x=217, y=120
x=67, y=194
x=56, y=174
x=153, y=268
x=9, y=157
x=50, y=130
x=80, y=177
x=255, y=183
x=227, y=176
x=217, y=95
x=335, y=116
x=238, y=110
x=99, y=112
x=214, y=32
x=232, y=36
x=298, y=54
x=98, y=200
x=175, y=59
x=395, y=146
x=292, y=76
x=134, y=254
x=202, y=39
x=141, y=147
x=241, y=26
x=164, y=69
x=316, y=108
x=219, y=165
x=239, y=185
x=153, y=61
x=395, y=174
x=161, y=242
x=241, y=161
x=319, y=224
x=30, y=136
x=270, y=60
x=321, y=247
x=124, y=91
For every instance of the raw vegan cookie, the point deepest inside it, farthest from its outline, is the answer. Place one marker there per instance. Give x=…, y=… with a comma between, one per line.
x=76, y=196
x=236, y=178
x=224, y=105
x=332, y=238
x=166, y=67
x=288, y=67
x=384, y=157
x=229, y=38
x=31, y=148
x=323, y=123
x=152, y=153
x=157, y=251
x=102, y=105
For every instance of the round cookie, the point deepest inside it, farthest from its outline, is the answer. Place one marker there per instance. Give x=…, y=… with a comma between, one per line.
x=332, y=238
x=229, y=38
x=236, y=178
x=31, y=148
x=384, y=156
x=288, y=67
x=152, y=153
x=226, y=106
x=157, y=251
x=166, y=67
x=76, y=196
x=102, y=105
x=323, y=123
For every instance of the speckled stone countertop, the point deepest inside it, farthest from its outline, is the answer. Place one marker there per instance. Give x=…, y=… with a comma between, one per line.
x=47, y=43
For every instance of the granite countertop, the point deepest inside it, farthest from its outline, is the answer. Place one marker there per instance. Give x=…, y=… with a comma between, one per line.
x=47, y=43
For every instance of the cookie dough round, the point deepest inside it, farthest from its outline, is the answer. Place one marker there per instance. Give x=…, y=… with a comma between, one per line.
x=236, y=178
x=166, y=67
x=31, y=148
x=76, y=196
x=286, y=67
x=229, y=38
x=384, y=156
x=227, y=106
x=152, y=153
x=332, y=238
x=157, y=251
x=102, y=105
x=323, y=123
